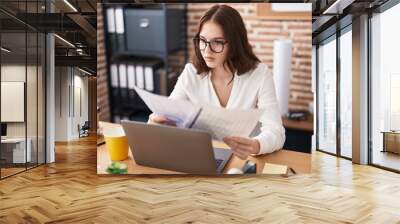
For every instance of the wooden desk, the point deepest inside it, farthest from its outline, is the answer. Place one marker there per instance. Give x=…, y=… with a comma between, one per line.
x=13, y=150
x=306, y=125
x=299, y=134
x=391, y=141
x=300, y=162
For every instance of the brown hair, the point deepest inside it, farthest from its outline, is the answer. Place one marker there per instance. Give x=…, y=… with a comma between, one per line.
x=240, y=56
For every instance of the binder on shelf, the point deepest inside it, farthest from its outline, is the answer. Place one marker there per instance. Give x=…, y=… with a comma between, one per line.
x=131, y=76
x=116, y=28
x=152, y=78
x=147, y=74
x=123, y=82
x=114, y=76
x=139, y=75
x=111, y=31
x=110, y=20
x=120, y=28
x=149, y=78
x=119, y=20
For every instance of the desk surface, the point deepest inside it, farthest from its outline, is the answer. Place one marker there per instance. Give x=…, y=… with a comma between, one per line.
x=13, y=140
x=306, y=125
x=300, y=162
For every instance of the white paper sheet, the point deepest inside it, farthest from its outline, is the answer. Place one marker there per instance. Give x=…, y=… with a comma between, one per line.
x=182, y=112
x=219, y=122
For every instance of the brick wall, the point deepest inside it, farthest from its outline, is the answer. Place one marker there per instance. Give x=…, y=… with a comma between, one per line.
x=102, y=89
x=261, y=34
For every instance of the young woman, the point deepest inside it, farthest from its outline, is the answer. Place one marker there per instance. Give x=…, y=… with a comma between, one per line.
x=226, y=73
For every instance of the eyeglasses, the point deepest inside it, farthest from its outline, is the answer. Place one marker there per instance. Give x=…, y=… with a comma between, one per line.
x=216, y=46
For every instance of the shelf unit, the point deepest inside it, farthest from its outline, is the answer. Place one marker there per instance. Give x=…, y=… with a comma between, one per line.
x=139, y=34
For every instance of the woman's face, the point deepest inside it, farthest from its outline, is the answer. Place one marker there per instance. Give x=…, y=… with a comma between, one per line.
x=212, y=36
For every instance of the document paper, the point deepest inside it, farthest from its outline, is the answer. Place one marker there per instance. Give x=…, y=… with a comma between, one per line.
x=219, y=122
x=182, y=112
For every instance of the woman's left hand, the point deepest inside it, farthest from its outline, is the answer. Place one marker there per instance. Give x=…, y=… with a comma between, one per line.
x=243, y=147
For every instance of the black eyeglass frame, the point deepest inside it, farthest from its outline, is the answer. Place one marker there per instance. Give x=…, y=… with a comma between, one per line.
x=196, y=41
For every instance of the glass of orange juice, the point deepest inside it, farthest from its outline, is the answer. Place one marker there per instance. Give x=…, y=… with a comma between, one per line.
x=116, y=143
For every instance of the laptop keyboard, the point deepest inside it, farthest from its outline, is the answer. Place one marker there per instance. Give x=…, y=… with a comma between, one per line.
x=219, y=162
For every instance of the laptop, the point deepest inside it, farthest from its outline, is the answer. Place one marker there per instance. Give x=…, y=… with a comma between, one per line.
x=177, y=149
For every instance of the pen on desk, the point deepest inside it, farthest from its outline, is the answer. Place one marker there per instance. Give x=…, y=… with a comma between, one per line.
x=195, y=118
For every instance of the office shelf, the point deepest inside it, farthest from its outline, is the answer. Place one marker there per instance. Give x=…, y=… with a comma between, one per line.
x=139, y=35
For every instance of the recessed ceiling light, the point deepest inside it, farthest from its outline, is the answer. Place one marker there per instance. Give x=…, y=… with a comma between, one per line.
x=64, y=40
x=337, y=7
x=84, y=71
x=70, y=5
x=5, y=50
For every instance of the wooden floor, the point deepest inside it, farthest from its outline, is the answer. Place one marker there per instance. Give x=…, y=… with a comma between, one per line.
x=69, y=191
x=387, y=159
x=10, y=171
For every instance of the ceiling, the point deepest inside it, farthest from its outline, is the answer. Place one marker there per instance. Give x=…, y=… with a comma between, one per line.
x=331, y=15
x=73, y=20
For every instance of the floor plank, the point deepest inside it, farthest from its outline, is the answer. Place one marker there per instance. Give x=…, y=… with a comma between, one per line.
x=69, y=191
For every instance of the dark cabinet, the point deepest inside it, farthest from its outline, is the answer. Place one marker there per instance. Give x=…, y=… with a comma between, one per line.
x=153, y=32
x=139, y=41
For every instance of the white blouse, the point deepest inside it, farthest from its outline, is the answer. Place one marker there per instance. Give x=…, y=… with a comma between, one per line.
x=254, y=89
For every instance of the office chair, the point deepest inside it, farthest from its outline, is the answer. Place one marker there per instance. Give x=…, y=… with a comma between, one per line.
x=84, y=130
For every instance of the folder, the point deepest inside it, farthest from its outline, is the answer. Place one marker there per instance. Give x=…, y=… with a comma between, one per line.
x=119, y=21
x=152, y=78
x=120, y=29
x=111, y=28
x=131, y=82
x=148, y=74
x=110, y=20
x=123, y=82
x=139, y=76
x=131, y=76
x=114, y=75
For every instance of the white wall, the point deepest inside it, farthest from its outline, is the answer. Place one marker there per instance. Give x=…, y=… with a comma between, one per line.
x=71, y=87
x=61, y=103
x=12, y=73
x=33, y=127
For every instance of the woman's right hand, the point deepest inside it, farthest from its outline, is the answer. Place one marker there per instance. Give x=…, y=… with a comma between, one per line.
x=158, y=119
